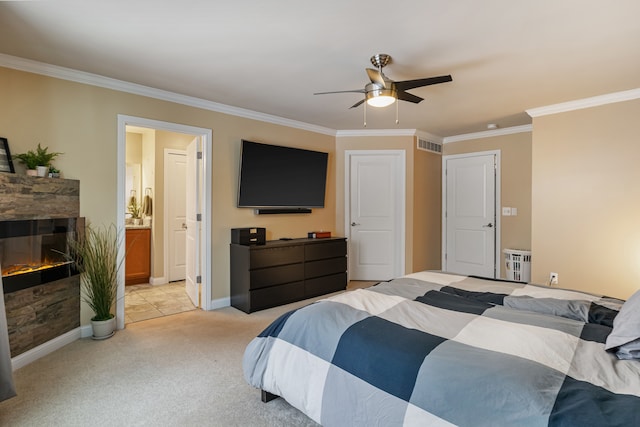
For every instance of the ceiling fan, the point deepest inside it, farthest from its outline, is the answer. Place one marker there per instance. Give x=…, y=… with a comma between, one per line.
x=383, y=91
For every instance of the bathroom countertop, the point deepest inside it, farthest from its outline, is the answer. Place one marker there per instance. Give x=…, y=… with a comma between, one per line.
x=137, y=227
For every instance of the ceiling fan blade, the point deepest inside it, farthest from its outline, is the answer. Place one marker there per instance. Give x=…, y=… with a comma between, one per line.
x=404, y=96
x=410, y=84
x=341, y=91
x=357, y=104
x=377, y=77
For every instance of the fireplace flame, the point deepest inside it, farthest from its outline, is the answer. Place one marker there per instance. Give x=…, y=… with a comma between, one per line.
x=17, y=269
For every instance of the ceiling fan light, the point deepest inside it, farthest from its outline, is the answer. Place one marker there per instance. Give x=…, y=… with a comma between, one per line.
x=381, y=101
x=381, y=97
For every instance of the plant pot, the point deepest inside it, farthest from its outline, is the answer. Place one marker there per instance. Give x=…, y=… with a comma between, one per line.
x=137, y=221
x=42, y=170
x=32, y=172
x=103, y=329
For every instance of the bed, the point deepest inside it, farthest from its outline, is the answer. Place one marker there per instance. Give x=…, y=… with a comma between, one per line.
x=440, y=349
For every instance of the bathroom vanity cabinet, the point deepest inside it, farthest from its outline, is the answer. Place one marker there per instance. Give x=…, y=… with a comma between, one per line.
x=138, y=260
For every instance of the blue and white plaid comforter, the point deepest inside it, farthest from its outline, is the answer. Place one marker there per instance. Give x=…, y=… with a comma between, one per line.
x=433, y=349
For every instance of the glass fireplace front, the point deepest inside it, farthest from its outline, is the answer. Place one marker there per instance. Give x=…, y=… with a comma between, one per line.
x=33, y=252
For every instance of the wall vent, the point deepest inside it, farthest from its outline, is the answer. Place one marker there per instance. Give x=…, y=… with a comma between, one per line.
x=434, y=147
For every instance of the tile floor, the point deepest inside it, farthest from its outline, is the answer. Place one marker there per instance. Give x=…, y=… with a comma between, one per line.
x=145, y=301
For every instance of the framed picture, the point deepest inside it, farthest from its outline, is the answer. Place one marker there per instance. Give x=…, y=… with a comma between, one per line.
x=6, y=164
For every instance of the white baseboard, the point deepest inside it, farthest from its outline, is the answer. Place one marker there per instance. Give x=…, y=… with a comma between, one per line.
x=49, y=347
x=158, y=280
x=86, y=331
x=220, y=303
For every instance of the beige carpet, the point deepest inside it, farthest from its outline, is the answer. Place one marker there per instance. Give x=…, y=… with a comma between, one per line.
x=178, y=370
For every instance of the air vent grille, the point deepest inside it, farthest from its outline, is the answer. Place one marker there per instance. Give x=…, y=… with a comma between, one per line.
x=434, y=147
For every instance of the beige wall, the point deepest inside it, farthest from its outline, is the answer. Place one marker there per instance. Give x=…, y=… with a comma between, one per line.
x=227, y=133
x=427, y=211
x=515, y=183
x=422, y=243
x=133, y=151
x=586, y=198
x=81, y=121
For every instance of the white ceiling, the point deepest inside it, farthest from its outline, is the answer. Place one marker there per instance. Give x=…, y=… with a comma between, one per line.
x=270, y=56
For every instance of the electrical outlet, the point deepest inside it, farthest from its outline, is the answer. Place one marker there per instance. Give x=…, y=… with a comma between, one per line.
x=553, y=279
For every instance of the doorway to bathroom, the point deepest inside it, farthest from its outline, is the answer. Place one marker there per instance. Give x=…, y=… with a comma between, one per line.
x=143, y=145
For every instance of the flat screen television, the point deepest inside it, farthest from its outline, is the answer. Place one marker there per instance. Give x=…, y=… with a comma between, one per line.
x=276, y=177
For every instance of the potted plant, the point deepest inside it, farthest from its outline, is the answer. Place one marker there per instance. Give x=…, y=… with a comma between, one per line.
x=39, y=160
x=136, y=212
x=30, y=161
x=96, y=257
x=53, y=172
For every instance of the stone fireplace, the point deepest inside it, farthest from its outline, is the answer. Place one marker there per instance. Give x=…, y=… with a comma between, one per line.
x=40, y=286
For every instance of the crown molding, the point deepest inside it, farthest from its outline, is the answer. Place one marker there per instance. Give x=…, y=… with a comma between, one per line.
x=488, y=133
x=69, y=74
x=376, y=132
x=580, y=104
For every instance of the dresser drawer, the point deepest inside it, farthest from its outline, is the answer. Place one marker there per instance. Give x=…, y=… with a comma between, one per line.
x=325, y=267
x=325, y=285
x=268, y=257
x=276, y=295
x=264, y=277
x=324, y=250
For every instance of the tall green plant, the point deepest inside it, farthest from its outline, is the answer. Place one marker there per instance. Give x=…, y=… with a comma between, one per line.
x=96, y=256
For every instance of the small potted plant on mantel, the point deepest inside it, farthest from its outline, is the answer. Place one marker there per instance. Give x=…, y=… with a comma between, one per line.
x=54, y=172
x=96, y=257
x=37, y=162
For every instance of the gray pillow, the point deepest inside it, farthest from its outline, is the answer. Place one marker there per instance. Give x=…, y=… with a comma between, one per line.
x=626, y=325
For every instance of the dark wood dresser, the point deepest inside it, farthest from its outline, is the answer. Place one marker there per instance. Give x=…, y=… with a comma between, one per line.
x=284, y=271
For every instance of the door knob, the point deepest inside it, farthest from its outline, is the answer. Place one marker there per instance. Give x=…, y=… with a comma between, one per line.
x=488, y=225
x=353, y=224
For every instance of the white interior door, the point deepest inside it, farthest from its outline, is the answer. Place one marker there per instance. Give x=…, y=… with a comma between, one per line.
x=176, y=172
x=470, y=214
x=192, y=191
x=375, y=199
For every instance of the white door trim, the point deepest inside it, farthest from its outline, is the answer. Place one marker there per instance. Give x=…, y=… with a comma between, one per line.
x=496, y=153
x=207, y=150
x=401, y=209
x=193, y=196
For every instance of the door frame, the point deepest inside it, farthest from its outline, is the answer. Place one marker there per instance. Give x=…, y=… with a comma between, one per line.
x=498, y=192
x=166, y=231
x=207, y=163
x=400, y=237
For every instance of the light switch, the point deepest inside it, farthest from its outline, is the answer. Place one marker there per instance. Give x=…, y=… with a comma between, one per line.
x=506, y=211
x=514, y=211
